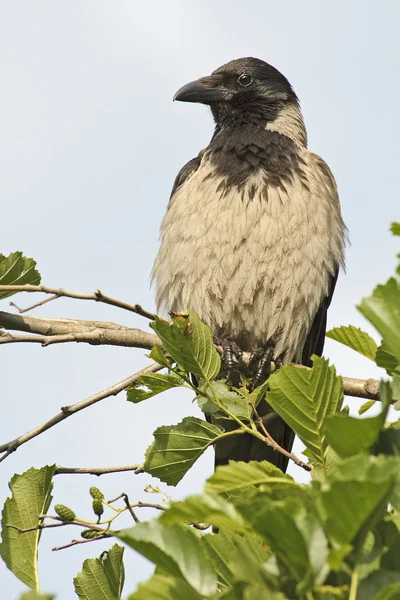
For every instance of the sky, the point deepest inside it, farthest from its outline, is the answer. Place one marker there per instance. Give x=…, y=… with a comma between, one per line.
x=90, y=145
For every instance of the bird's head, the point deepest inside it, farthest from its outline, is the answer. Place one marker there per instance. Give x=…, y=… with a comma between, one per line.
x=243, y=90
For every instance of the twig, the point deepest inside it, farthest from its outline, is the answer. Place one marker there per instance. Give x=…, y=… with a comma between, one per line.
x=38, y=526
x=97, y=296
x=24, y=310
x=274, y=445
x=67, y=411
x=129, y=507
x=98, y=471
x=75, y=542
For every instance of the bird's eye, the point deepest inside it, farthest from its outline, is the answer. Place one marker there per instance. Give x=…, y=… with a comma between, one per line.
x=245, y=80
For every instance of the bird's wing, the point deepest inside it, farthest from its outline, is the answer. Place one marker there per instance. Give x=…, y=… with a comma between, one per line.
x=316, y=337
x=186, y=171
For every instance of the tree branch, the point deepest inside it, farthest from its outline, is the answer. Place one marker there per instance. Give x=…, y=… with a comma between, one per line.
x=96, y=296
x=57, y=331
x=52, y=331
x=67, y=411
x=98, y=471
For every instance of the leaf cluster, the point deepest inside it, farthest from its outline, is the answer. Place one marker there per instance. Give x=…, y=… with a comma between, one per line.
x=336, y=537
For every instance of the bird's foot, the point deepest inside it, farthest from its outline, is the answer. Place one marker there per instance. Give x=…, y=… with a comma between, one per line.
x=261, y=359
x=232, y=357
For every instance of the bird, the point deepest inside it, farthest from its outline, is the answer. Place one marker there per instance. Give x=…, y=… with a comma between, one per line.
x=253, y=237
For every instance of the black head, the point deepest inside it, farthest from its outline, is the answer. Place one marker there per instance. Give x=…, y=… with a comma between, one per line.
x=243, y=90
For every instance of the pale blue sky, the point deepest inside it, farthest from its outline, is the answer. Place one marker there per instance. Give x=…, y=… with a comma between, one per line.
x=90, y=144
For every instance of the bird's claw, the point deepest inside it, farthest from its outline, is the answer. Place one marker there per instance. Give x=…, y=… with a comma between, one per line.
x=232, y=357
x=262, y=358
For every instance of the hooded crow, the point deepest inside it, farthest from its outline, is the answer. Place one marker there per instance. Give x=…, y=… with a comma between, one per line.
x=253, y=237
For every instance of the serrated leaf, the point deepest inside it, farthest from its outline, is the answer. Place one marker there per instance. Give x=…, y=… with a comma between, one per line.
x=320, y=472
x=304, y=398
x=395, y=228
x=239, y=558
x=382, y=309
x=102, y=578
x=302, y=549
x=366, y=406
x=349, y=435
x=31, y=497
x=155, y=384
x=32, y=595
x=165, y=587
x=159, y=357
x=251, y=591
x=395, y=384
x=386, y=359
x=205, y=508
x=176, y=550
x=190, y=343
x=380, y=585
x=354, y=495
x=177, y=447
x=17, y=269
x=235, y=403
x=239, y=475
x=354, y=338
x=258, y=394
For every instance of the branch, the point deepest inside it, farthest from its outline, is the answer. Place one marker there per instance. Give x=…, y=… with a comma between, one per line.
x=97, y=296
x=51, y=331
x=98, y=470
x=57, y=331
x=67, y=411
x=269, y=440
x=76, y=542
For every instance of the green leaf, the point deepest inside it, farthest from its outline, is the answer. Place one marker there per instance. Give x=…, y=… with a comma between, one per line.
x=296, y=538
x=389, y=440
x=177, y=447
x=386, y=359
x=349, y=435
x=16, y=269
x=366, y=406
x=159, y=357
x=382, y=309
x=190, y=344
x=239, y=475
x=235, y=403
x=102, y=578
x=354, y=338
x=205, y=508
x=321, y=472
x=32, y=595
x=396, y=389
x=395, y=228
x=31, y=497
x=251, y=591
x=165, y=587
x=155, y=384
x=304, y=398
x=355, y=494
x=380, y=585
x=239, y=558
x=176, y=550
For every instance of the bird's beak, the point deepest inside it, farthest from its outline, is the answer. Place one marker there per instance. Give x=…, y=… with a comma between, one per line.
x=205, y=91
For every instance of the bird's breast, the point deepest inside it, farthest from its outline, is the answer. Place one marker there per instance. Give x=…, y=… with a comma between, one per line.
x=248, y=258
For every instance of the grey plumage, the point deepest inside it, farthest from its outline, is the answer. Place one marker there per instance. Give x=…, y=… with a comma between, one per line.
x=253, y=237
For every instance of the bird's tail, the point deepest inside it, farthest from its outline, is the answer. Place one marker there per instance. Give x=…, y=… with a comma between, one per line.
x=246, y=447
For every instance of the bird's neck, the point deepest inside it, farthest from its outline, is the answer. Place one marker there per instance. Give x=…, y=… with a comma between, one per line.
x=290, y=122
x=282, y=117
